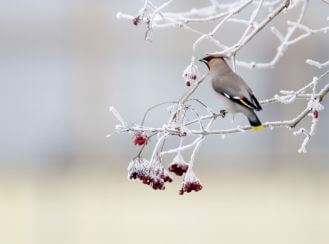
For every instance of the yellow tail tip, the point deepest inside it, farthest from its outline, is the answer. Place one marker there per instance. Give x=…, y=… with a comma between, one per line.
x=258, y=127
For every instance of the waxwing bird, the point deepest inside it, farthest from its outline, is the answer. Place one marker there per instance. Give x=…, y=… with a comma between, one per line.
x=235, y=94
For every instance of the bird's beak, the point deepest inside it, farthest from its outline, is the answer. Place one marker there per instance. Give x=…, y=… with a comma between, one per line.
x=203, y=61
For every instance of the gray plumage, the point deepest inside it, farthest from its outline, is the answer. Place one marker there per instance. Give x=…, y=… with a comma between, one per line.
x=234, y=93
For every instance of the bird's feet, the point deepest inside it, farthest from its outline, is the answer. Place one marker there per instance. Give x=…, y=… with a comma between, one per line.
x=223, y=112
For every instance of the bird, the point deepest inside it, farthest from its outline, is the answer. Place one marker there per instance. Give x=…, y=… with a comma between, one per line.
x=234, y=93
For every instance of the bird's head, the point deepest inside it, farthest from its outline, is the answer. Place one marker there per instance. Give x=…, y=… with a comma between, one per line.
x=212, y=60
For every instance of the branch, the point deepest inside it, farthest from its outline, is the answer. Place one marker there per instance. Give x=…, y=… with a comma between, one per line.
x=186, y=120
x=288, y=123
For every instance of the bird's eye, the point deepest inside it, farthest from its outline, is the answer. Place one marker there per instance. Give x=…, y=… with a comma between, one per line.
x=208, y=59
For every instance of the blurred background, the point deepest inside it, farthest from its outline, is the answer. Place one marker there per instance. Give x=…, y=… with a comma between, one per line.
x=63, y=63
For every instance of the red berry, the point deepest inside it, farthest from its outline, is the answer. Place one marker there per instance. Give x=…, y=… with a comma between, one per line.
x=158, y=184
x=196, y=186
x=145, y=180
x=140, y=139
x=188, y=83
x=316, y=114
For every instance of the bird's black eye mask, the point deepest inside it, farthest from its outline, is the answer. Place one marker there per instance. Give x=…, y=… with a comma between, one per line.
x=206, y=60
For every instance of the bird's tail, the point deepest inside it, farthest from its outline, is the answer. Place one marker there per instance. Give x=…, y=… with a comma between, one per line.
x=254, y=121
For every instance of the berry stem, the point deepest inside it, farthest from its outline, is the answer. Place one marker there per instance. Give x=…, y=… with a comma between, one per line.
x=157, y=147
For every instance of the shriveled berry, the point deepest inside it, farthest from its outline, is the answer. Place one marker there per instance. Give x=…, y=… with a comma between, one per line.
x=188, y=83
x=166, y=178
x=316, y=114
x=133, y=176
x=136, y=20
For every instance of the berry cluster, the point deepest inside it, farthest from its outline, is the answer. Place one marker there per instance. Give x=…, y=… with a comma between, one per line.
x=178, y=166
x=191, y=183
x=190, y=186
x=190, y=74
x=153, y=173
x=149, y=173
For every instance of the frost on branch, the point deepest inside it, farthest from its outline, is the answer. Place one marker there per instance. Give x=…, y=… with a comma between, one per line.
x=188, y=112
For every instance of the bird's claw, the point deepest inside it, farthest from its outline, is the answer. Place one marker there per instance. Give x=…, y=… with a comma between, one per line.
x=223, y=112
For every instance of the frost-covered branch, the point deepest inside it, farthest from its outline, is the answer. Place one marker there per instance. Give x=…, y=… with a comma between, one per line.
x=191, y=117
x=287, y=98
x=317, y=64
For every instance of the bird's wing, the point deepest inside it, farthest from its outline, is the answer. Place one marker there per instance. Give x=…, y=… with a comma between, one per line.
x=234, y=88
